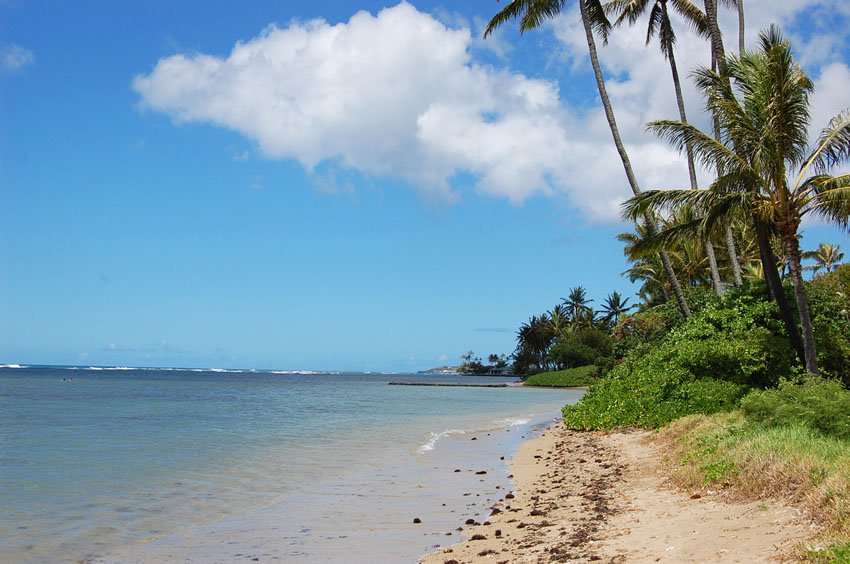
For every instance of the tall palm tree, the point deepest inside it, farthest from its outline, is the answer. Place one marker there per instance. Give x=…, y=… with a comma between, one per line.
x=718, y=62
x=531, y=14
x=660, y=24
x=764, y=115
x=826, y=256
x=613, y=307
x=577, y=306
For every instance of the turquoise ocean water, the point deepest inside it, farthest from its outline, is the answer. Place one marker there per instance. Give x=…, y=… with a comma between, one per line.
x=210, y=465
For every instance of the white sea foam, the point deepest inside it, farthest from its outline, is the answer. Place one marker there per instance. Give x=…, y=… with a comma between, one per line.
x=11, y=366
x=433, y=438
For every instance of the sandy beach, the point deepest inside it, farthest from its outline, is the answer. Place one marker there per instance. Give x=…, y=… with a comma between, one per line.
x=603, y=497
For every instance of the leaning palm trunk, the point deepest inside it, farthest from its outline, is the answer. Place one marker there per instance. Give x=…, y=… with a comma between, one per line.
x=689, y=153
x=792, y=250
x=774, y=285
x=624, y=157
x=730, y=238
x=718, y=58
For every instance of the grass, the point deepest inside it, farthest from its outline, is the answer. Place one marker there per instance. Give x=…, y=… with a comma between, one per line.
x=792, y=462
x=569, y=378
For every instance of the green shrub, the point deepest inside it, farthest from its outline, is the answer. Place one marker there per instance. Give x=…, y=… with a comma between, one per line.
x=649, y=392
x=829, y=301
x=822, y=405
x=569, y=378
x=704, y=365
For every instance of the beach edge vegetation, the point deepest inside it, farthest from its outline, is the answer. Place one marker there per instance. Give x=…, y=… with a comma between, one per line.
x=578, y=377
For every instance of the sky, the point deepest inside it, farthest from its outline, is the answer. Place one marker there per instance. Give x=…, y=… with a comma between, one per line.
x=330, y=185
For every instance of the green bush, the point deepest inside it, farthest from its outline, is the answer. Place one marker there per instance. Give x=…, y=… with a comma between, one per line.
x=822, y=405
x=570, y=378
x=829, y=301
x=648, y=392
x=704, y=365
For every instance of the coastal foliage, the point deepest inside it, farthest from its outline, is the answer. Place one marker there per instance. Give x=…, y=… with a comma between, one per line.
x=829, y=297
x=569, y=378
x=703, y=365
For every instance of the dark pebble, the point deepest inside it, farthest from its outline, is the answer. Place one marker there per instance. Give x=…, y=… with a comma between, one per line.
x=417, y=520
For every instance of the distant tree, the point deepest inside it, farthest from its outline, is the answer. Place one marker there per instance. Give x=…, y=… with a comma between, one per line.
x=578, y=307
x=826, y=257
x=613, y=307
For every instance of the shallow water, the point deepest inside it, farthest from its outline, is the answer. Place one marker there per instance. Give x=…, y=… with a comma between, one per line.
x=154, y=465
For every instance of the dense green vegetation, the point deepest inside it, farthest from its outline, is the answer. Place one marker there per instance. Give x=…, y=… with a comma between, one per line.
x=820, y=405
x=703, y=365
x=569, y=378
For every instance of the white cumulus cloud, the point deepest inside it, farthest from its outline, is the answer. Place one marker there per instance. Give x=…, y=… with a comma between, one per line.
x=395, y=94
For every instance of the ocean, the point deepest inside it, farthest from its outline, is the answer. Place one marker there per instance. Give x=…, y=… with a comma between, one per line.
x=156, y=465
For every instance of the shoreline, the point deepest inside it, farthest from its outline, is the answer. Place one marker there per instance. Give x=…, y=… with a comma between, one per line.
x=587, y=496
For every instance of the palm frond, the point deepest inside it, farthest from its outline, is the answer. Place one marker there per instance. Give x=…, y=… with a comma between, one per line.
x=706, y=149
x=531, y=13
x=694, y=17
x=833, y=146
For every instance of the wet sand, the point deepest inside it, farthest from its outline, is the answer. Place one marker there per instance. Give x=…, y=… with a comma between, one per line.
x=602, y=497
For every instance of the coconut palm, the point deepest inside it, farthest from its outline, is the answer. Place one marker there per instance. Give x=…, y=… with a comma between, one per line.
x=645, y=268
x=764, y=115
x=660, y=24
x=718, y=62
x=613, y=307
x=827, y=257
x=578, y=307
x=531, y=14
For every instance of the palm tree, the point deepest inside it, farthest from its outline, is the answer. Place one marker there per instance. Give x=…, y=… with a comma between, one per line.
x=613, y=307
x=660, y=24
x=531, y=14
x=559, y=320
x=578, y=306
x=718, y=63
x=645, y=268
x=764, y=115
x=827, y=257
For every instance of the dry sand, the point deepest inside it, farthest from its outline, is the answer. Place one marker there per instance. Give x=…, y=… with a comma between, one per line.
x=602, y=497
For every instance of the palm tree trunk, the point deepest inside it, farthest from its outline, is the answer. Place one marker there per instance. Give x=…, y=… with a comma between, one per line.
x=774, y=285
x=692, y=172
x=733, y=255
x=792, y=250
x=741, y=39
x=624, y=157
x=718, y=60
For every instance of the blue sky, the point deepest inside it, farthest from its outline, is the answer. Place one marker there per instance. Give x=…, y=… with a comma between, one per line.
x=178, y=189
